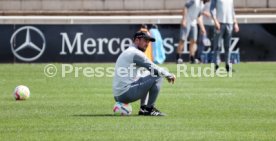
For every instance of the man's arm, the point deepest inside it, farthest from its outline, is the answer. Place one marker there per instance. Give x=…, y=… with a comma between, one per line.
x=236, y=25
x=207, y=14
x=183, y=21
x=206, y=11
x=201, y=25
x=213, y=9
x=213, y=13
x=188, y=4
x=142, y=61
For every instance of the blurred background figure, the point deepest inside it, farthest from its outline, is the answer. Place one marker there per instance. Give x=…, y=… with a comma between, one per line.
x=188, y=30
x=148, y=51
x=209, y=27
x=158, y=51
x=224, y=17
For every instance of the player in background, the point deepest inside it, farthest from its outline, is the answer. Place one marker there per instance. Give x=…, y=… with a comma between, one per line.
x=158, y=51
x=188, y=30
x=224, y=18
x=148, y=51
x=209, y=27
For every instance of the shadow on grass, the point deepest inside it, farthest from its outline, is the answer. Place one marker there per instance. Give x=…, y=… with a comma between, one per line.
x=102, y=115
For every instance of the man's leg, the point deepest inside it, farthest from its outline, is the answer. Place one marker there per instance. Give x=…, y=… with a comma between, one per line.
x=154, y=91
x=216, y=46
x=149, y=108
x=140, y=88
x=180, y=51
x=144, y=100
x=200, y=46
x=192, y=49
x=193, y=39
x=227, y=44
x=210, y=34
x=182, y=38
x=182, y=41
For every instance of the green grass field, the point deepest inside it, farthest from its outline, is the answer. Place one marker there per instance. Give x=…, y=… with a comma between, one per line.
x=239, y=108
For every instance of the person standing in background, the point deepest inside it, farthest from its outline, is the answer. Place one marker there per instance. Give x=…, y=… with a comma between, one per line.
x=148, y=52
x=209, y=27
x=158, y=51
x=188, y=31
x=224, y=18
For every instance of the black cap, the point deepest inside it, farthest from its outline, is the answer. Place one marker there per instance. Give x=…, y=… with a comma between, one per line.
x=145, y=35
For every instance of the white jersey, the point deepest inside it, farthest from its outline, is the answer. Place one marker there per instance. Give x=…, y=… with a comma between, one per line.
x=194, y=8
x=225, y=12
x=207, y=20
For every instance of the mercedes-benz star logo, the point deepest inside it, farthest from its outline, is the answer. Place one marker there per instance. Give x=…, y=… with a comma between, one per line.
x=27, y=44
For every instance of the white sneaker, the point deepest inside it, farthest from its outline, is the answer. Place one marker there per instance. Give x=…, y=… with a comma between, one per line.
x=197, y=61
x=179, y=61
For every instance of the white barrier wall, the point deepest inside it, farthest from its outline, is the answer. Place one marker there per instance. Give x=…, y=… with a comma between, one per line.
x=272, y=3
x=92, y=5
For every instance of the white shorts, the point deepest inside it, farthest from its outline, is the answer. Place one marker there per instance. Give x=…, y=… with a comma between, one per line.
x=188, y=33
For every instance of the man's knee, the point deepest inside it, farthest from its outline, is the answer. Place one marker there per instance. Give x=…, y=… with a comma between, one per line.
x=159, y=79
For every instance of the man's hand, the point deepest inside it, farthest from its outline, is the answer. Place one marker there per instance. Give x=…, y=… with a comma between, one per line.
x=217, y=25
x=171, y=78
x=236, y=27
x=184, y=24
x=207, y=14
x=201, y=25
x=203, y=32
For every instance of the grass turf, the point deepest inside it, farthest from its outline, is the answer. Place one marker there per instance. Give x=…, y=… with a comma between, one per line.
x=239, y=108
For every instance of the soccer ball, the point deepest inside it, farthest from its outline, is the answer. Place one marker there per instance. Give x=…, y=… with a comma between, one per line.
x=21, y=92
x=122, y=109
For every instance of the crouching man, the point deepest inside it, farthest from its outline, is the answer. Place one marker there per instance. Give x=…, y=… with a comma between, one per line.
x=132, y=82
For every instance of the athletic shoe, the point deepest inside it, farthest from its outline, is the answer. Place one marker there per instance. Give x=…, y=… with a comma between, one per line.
x=216, y=67
x=192, y=60
x=179, y=61
x=228, y=68
x=153, y=112
x=197, y=61
x=142, y=110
